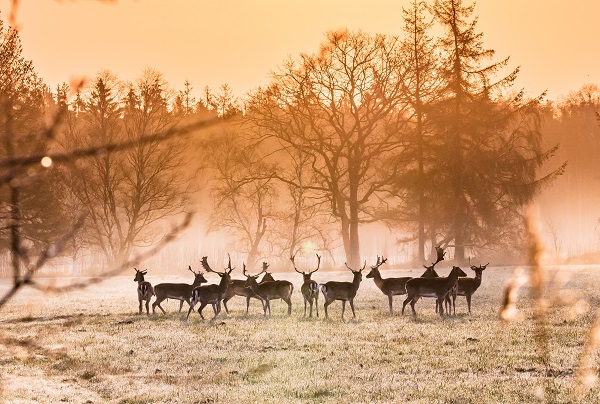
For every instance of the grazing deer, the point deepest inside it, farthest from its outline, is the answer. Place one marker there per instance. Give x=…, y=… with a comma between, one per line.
x=211, y=294
x=344, y=291
x=390, y=286
x=270, y=290
x=310, y=288
x=177, y=291
x=144, y=289
x=237, y=287
x=431, y=287
x=466, y=287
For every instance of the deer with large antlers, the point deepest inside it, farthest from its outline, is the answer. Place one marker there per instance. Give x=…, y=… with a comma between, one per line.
x=177, y=291
x=310, y=288
x=344, y=291
x=145, y=291
x=237, y=287
x=211, y=294
x=270, y=290
x=396, y=286
x=431, y=287
x=466, y=287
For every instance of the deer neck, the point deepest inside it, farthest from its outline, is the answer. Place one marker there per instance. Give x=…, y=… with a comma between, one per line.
x=378, y=279
x=224, y=284
x=356, y=281
x=452, y=278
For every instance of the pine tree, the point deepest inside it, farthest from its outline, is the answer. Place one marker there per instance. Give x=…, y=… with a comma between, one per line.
x=490, y=152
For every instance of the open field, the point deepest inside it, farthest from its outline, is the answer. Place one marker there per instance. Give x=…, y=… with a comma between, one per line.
x=91, y=346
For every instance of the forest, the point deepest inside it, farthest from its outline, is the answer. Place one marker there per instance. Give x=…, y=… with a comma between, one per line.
x=375, y=144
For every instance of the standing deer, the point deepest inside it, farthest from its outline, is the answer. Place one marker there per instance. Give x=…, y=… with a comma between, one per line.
x=344, y=291
x=431, y=287
x=390, y=286
x=270, y=290
x=310, y=288
x=144, y=289
x=467, y=286
x=177, y=291
x=237, y=287
x=211, y=294
x=396, y=286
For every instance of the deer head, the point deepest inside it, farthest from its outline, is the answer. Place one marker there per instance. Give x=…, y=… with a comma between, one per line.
x=139, y=275
x=478, y=269
x=375, y=268
x=198, y=276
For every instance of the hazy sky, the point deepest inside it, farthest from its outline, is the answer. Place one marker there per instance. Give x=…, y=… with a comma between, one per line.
x=238, y=42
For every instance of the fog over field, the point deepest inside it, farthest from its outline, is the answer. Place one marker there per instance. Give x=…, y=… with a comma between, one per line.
x=360, y=154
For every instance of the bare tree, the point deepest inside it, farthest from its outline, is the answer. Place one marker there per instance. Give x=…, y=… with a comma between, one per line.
x=243, y=190
x=342, y=107
x=126, y=193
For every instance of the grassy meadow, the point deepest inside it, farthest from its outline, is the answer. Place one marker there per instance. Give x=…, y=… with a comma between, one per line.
x=91, y=346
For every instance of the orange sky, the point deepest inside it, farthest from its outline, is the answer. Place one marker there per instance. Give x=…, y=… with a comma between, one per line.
x=239, y=42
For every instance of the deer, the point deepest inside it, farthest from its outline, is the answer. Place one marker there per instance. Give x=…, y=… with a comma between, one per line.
x=466, y=287
x=270, y=290
x=344, y=291
x=178, y=291
x=390, y=286
x=431, y=287
x=309, y=288
x=211, y=294
x=145, y=290
x=237, y=287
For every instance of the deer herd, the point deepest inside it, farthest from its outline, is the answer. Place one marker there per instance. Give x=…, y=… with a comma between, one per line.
x=430, y=284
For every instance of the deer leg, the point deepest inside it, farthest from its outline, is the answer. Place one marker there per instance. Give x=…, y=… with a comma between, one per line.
x=469, y=302
x=352, y=307
x=140, y=300
x=157, y=302
x=310, y=302
x=412, y=305
x=225, y=305
x=454, y=304
x=217, y=310
x=192, y=304
x=343, y=308
x=305, y=301
x=327, y=303
x=390, y=301
x=202, y=306
x=247, y=304
x=148, y=307
x=441, y=301
x=317, y=303
x=406, y=301
x=289, y=303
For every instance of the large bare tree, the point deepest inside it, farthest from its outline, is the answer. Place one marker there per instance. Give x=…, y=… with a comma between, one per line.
x=342, y=108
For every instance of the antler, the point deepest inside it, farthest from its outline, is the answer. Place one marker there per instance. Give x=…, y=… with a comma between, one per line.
x=318, y=264
x=229, y=265
x=380, y=262
x=190, y=269
x=265, y=265
x=206, y=266
x=440, y=254
x=360, y=270
x=294, y=263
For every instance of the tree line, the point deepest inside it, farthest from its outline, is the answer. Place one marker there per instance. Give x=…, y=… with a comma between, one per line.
x=423, y=133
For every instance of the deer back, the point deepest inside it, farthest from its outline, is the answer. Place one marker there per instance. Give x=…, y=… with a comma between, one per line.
x=273, y=289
